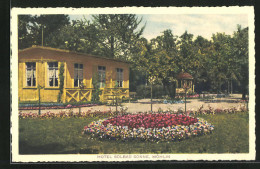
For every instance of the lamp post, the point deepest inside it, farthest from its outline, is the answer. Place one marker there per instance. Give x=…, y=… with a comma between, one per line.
x=42, y=33
x=39, y=94
x=152, y=80
x=185, y=87
x=81, y=88
x=117, y=92
x=151, y=97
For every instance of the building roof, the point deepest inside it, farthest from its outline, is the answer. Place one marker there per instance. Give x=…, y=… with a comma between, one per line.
x=184, y=75
x=71, y=52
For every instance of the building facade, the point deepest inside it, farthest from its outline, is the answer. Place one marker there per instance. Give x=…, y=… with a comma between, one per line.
x=39, y=75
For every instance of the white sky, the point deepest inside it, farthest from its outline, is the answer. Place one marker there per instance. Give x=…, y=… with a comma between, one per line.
x=197, y=24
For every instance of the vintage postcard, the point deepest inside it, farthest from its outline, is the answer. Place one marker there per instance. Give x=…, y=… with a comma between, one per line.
x=132, y=84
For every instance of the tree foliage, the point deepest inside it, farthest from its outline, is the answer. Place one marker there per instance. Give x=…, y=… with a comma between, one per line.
x=30, y=28
x=117, y=33
x=215, y=64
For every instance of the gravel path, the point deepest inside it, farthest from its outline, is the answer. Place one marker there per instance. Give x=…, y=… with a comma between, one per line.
x=144, y=105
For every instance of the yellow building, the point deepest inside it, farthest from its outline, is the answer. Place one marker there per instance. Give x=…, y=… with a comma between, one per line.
x=39, y=68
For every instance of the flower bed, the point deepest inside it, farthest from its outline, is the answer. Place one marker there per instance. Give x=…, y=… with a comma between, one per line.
x=179, y=99
x=150, y=120
x=52, y=106
x=194, y=96
x=212, y=111
x=200, y=111
x=150, y=127
x=67, y=114
x=173, y=102
x=228, y=101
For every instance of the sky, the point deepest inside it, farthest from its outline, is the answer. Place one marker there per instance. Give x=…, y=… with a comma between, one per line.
x=197, y=24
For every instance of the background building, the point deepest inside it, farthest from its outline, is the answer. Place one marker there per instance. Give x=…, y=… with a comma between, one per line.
x=184, y=79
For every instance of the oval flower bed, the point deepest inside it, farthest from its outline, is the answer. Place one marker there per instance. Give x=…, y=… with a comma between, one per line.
x=150, y=127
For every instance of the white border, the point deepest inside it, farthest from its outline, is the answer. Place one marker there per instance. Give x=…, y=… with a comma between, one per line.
x=15, y=157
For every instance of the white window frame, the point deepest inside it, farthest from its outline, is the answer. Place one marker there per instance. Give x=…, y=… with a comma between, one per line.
x=55, y=74
x=33, y=76
x=119, y=77
x=102, y=76
x=78, y=74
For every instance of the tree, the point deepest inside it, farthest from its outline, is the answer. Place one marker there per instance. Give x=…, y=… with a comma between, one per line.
x=24, y=38
x=219, y=60
x=31, y=28
x=202, y=53
x=241, y=60
x=187, y=52
x=48, y=24
x=166, y=53
x=79, y=37
x=116, y=34
x=157, y=59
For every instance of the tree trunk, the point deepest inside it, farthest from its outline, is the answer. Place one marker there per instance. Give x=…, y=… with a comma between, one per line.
x=228, y=87
x=170, y=88
x=244, y=92
x=243, y=96
x=165, y=87
x=219, y=89
x=112, y=46
x=231, y=88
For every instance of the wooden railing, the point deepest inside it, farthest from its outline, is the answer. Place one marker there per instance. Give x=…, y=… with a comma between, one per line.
x=76, y=95
x=111, y=93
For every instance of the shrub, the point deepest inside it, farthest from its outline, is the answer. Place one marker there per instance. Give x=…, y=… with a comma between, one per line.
x=144, y=91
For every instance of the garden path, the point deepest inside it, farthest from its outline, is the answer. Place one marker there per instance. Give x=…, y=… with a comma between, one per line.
x=144, y=105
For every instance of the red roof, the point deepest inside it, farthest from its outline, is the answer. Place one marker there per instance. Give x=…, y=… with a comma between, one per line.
x=184, y=75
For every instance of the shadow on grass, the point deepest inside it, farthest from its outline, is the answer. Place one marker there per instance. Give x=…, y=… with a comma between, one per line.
x=52, y=148
x=81, y=151
x=25, y=148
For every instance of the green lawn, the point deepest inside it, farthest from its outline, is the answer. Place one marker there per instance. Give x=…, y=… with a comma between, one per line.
x=64, y=136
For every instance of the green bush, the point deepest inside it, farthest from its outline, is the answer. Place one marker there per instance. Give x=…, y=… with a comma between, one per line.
x=96, y=92
x=144, y=91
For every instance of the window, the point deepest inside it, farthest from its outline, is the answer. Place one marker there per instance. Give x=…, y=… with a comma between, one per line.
x=78, y=74
x=30, y=74
x=53, y=74
x=102, y=76
x=119, y=77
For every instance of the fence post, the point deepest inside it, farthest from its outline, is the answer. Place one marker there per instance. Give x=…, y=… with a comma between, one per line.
x=151, y=97
x=39, y=99
x=185, y=103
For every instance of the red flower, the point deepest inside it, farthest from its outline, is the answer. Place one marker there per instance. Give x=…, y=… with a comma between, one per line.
x=150, y=120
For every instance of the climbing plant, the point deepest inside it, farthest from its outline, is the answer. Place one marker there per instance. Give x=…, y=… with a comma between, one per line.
x=61, y=85
x=96, y=92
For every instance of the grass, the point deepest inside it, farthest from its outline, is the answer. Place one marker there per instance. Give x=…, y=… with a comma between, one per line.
x=64, y=136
